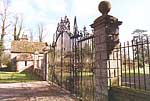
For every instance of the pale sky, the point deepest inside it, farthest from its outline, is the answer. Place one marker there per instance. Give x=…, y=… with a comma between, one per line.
x=134, y=14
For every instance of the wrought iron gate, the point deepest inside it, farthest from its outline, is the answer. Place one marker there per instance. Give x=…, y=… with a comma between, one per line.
x=73, y=60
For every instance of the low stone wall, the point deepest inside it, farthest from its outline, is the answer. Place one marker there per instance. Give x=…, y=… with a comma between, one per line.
x=40, y=73
x=128, y=94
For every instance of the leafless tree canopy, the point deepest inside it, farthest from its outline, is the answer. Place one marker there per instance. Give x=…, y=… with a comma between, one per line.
x=3, y=26
x=40, y=32
x=31, y=34
x=3, y=23
x=18, y=26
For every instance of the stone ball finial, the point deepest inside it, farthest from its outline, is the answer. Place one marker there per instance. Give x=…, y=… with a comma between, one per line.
x=104, y=7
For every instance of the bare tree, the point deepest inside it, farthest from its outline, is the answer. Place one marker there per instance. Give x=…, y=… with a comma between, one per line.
x=31, y=34
x=139, y=35
x=40, y=32
x=18, y=26
x=4, y=17
x=140, y=41
x=3, y=26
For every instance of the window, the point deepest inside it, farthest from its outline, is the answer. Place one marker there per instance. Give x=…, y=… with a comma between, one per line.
x=25, y=63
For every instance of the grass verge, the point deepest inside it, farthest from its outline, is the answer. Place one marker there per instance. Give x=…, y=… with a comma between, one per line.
x=14, y=77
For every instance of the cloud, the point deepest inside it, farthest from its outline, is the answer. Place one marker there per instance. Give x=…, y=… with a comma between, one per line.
x=39, y=11
x=135, y=17
x=58, y=6
x=1, y=6
x=133, y=14
x=86, y=8
x=50, y=29
x=86, y=12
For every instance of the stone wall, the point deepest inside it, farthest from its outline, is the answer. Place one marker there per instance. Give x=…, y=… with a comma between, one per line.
x=39, y=73
x=42, y=72
x=128, y=94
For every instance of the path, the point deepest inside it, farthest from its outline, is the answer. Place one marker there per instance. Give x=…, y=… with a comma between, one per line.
x=32, y=91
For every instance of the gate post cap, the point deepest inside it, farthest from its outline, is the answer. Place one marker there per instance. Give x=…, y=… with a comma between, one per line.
x=104, y=7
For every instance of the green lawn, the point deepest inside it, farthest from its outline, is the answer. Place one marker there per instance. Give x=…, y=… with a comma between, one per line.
x=14, y=77
x=138, y=70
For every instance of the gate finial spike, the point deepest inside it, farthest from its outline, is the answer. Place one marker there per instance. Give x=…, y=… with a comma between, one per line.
x=75, y=29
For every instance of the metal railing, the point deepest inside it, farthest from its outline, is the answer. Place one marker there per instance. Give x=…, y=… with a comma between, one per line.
x=72, y=68
x=73, y=61
x=129, y=65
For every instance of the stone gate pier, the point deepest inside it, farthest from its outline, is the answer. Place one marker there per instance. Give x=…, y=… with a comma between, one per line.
x=106, y=39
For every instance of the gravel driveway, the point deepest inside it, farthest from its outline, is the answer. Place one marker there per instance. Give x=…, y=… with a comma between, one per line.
x=33, y=91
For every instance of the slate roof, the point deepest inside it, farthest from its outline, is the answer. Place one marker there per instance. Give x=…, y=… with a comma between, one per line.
x=27, y=47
